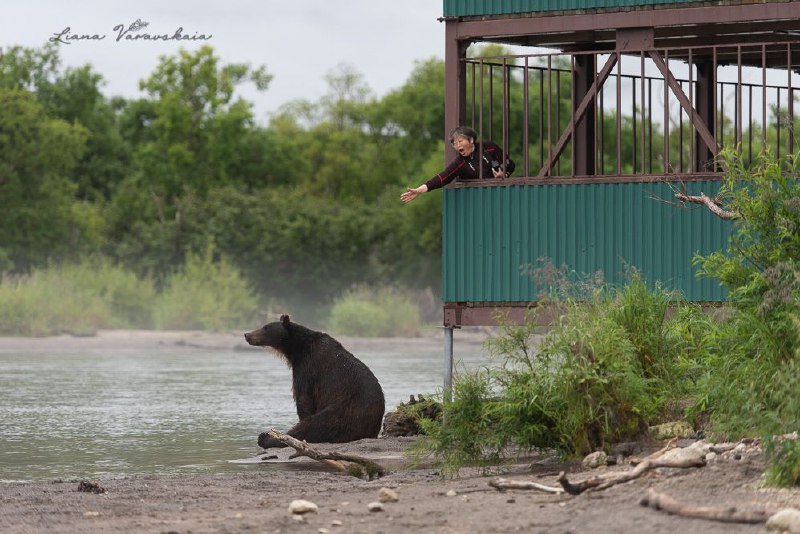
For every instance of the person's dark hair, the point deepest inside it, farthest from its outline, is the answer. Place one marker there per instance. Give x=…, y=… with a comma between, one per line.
x=464, y=131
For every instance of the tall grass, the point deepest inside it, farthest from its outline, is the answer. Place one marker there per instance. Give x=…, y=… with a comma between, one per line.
x=82, y=298
x=609, y=368
x=375, y=312
x=207, y=294
x=75, y=298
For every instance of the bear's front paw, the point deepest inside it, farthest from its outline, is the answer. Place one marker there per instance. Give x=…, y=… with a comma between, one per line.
x=265, y=441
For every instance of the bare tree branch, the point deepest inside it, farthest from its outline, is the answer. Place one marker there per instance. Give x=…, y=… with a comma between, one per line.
x=712, y=204
x=677, y=458
x=334, y=459
x=728, y=514
x=504, y=484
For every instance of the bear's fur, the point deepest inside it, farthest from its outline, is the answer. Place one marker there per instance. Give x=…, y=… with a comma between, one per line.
x=338, y=398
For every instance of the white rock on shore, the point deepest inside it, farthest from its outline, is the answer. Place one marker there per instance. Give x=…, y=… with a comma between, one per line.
x=300, y=507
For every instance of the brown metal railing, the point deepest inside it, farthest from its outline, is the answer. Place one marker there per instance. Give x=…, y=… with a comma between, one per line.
x=636, y=115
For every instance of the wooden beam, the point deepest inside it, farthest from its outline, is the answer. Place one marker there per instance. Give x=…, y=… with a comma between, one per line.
x=696, y=119
x=578, y=115
x=526, y=25
x=455, y=102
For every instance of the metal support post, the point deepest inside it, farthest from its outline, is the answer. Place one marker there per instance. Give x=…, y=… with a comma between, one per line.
x=448, y=363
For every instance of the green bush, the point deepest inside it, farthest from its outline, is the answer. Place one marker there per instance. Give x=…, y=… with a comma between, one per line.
x=783, y=454
x=642, y=314
x=609, y=368
x=467, y=432
x=381, y=312
x=207, y=294
x=95, y=294
x=753, y=368
x=129, y=298
x=596, y=392
x=75, y=298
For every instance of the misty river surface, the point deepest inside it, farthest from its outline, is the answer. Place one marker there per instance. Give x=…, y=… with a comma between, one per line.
x=101, y=412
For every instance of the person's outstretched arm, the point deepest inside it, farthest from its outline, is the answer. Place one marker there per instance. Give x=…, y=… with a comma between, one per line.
x=412, y=193
x=438, y=181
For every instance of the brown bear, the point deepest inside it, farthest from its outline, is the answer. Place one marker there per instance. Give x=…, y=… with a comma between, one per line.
x=338, y=398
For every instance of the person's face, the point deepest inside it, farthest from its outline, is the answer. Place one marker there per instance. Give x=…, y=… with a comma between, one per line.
x=463, y=145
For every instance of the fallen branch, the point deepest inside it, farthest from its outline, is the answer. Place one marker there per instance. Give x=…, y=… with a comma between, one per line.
x=679, y=459
x=334, y=459
x=506, y=484
x=660, y=452
x=708, y=202
x=648, y=465
x=580, y=487
x=729, y=514
x=600, y=482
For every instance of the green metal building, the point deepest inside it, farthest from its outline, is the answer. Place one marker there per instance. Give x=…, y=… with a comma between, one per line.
x=495, y=236
x=482, y=8
x=646, y=94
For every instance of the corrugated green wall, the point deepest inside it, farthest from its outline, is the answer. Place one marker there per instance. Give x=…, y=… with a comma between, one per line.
x=468, y=8
x=490, y=233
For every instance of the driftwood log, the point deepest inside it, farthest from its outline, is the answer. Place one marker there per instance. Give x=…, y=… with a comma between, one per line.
x=729, y=514
x=507, y=484
x=346, y=463
x=602, y=482
x=693, y=456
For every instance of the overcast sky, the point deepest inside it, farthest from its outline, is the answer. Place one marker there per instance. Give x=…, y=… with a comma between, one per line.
x=298, y=41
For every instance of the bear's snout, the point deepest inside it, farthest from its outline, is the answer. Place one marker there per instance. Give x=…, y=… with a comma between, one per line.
x=256, y=338
x=252, y=337
x=272, y=335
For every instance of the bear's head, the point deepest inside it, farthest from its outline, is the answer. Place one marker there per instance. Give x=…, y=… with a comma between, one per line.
x=275, y=335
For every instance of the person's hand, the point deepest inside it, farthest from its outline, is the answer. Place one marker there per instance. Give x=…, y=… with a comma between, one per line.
x=411, y=194
x=498, y=172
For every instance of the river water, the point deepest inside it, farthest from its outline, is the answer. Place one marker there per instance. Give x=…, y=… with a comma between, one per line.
x=89, y=412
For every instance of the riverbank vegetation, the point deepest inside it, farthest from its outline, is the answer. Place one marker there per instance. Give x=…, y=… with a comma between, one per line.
x=299, y=209
x=636, y=356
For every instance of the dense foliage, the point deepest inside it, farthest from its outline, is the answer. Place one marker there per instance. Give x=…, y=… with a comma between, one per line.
x=617, y=361
x=610, y=367
x=753, y=368
x=304, y=207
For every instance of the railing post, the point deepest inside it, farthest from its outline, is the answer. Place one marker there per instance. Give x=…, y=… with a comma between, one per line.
x=704, y=103
x=583, y=140
x=455, y=85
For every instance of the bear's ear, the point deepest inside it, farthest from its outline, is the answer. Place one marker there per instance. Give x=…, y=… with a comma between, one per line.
x=285, y=321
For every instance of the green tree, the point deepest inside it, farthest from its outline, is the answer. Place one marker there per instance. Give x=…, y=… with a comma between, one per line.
x=347, y=153
x=73, y=94
x=32, y=69
x=191, y=136
x=413, y=114
x=754, y=364
x=39, y=220
x=195, y=124
x=77, y=98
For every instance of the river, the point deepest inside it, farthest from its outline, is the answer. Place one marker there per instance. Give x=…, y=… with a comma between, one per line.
x=84, y=408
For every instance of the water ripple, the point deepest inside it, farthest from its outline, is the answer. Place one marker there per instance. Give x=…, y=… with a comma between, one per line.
x=113, y=413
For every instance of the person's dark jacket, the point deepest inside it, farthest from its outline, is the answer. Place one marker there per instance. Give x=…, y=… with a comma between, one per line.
x=466, y=167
